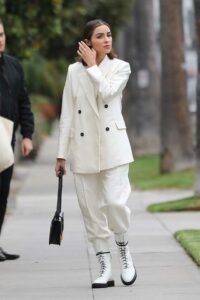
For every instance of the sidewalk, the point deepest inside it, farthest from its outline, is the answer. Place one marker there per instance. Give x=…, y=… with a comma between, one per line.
x=66, y=272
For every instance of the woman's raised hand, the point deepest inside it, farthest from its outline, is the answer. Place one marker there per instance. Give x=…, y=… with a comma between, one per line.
x=87, y=54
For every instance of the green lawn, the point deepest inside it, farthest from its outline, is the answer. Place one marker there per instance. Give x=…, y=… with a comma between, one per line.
x=190, y=241
x=186, y=204
x=144, y=175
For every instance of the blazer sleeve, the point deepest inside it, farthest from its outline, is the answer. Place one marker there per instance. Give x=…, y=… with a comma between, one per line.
x=108, y=87
x=26, y=118
x=65, y=119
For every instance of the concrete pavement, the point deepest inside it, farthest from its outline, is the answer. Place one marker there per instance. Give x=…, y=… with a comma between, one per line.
x=52, y=272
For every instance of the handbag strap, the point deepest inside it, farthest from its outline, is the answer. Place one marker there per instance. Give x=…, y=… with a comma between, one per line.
x=59, y=199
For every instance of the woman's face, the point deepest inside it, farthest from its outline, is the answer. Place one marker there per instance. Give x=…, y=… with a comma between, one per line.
x=101, y=40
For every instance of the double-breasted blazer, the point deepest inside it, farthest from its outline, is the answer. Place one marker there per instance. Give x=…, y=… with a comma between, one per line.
x=92, y=131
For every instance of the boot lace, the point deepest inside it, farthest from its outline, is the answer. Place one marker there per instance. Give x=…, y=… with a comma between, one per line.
x=123, y=250
x=101, y=259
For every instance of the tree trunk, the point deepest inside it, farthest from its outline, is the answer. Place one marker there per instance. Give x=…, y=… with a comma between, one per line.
x=176, y=137
x=197, y=21
x=141, y=107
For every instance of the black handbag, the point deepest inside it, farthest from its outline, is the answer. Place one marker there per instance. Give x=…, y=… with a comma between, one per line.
x=57, y=223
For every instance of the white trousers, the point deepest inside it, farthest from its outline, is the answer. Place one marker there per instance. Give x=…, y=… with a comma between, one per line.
x=102, y=199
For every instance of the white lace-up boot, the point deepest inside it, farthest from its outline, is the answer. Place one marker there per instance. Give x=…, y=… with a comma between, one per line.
x=128, y=271
x=105, y=279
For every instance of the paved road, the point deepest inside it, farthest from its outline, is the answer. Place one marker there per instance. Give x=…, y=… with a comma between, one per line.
x=66, y=272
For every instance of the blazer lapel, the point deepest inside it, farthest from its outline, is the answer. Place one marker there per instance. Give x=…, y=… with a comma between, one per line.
x=86, y=84
x=89, y=91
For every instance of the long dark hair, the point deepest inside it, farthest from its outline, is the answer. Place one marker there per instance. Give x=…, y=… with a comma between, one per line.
x=87, y=34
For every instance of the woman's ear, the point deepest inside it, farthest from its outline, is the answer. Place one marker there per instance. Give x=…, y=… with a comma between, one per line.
x=88, y=42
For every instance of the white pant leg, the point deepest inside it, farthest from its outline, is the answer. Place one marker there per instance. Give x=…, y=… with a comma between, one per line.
x=116, y=191
x=90, y=198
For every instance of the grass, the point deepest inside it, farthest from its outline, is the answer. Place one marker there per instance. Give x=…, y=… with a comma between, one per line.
x=190, y=241
x=186, y=204
x=144, y=175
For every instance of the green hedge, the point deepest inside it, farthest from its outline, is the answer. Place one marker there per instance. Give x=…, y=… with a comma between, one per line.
x=45, y=77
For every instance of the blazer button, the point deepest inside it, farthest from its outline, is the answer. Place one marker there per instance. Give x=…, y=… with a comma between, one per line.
x=81, y=134
x=107, y=128
x=106, y=105
x=79, y=111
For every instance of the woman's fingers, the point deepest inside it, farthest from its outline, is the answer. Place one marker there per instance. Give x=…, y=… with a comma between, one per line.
x=82, y=53
x=83, y=48
x=60, y=167
x=87, y=54
x=83, y=45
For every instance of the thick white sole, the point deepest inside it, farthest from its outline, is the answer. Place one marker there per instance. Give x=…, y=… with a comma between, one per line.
x=103, y=285
x=129, y=282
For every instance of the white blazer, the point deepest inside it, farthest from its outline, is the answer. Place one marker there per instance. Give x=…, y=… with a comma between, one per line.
x=92, y=129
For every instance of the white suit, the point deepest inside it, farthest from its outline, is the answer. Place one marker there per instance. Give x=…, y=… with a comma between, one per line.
x=93, y=136
x=91, y=124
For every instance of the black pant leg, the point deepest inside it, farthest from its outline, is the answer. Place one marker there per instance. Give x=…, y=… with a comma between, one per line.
x=5, y=179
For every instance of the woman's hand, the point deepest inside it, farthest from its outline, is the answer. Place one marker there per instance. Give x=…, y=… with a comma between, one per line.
x=26, y=146
x=60, y=166
x=87, y=54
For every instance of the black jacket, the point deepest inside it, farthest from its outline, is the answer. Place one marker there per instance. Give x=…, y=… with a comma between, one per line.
x=19, y=102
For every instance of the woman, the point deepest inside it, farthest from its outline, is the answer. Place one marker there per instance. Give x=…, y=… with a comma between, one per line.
x=93, y=133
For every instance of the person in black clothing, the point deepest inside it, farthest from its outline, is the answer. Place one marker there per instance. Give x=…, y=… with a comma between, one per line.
x=14, y=105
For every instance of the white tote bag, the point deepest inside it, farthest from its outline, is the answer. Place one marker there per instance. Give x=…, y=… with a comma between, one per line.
x=6, y=151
